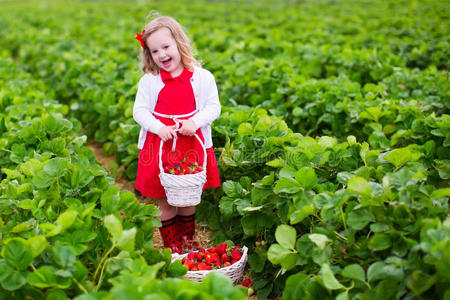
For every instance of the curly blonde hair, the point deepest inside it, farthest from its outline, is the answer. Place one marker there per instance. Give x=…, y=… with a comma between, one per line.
x=183, y=44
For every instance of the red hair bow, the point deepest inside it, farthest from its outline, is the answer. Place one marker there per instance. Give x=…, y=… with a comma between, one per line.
x=139, y=38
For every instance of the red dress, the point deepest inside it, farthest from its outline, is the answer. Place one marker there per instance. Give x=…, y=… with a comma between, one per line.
x=176, y=98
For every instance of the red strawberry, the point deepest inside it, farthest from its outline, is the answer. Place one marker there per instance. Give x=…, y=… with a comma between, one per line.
x=198, y=170
x=209, y=259
x=202, y=266
x=234, y=261
x=226, y=264
x=215, y=257
x=192, y=255
x=217, y=264
x=184, y=166
x=189, y=264
x=225, y=258
x=222, y=248
x=190, y=161
x=236, y=255
x=247, y=282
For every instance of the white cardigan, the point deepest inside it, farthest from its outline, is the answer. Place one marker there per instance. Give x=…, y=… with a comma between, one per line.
x=206, y=101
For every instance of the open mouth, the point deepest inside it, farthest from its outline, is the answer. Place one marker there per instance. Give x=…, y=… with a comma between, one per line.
x=167, y=62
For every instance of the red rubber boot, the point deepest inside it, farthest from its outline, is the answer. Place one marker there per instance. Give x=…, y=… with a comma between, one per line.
x=169, y=234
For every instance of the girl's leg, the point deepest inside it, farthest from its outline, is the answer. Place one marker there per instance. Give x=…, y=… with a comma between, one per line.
x=169, y=228
x=167, y=211
x=186, y=223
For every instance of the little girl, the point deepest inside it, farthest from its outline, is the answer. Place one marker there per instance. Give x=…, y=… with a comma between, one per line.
x=174, y=91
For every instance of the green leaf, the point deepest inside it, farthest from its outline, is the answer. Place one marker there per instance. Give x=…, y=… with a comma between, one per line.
x=342, y=296
x=380, y=241
x=300, y=214
x=358, y=219
x=226, y=206
x=176, y=269
x=55, y=167
x=328, y=278
x=441, y=193
x=289, y=261
x=17, y=253
x=245, y=129
x=63, y=255
x=232, y=189
x=43, y=180
x=276, y=163
x=286, y=185
x=401, y=156
x=268, y=179
x=80, y=178
x=45, y=277
x=37, y=244
x=14, y=280
x=306, y=177
x=327, y=141
x=277, y=253
x=18, y=153
x=257, y=260
x=319, y=239
x=30, y=167
x=354, y=271
x=359, y=185
x=380, y=270
x=63, y=222
x=286, y=236
x=114, y=227
x=110, y=200
x=126, y=240
x=294, y=288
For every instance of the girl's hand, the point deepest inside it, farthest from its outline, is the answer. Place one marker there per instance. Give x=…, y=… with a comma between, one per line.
x=188, y=127
x=167, y=132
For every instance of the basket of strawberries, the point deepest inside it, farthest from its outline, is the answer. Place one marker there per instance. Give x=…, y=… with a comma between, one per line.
x=229, y=261
x=183, y=182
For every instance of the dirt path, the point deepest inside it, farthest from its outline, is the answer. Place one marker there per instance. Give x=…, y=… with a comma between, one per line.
x=202, y=233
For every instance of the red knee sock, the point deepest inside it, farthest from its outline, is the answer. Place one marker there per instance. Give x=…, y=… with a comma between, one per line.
x=186, y=227
x=169, y=234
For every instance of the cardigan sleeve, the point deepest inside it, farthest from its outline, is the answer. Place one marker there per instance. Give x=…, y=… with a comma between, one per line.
x=143, y=107
x=211, y=110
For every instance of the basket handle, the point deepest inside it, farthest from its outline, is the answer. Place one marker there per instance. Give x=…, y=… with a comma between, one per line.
x=198, y=139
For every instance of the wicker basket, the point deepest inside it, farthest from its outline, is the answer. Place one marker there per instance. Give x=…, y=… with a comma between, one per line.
x=183, y=190
x=234, y=272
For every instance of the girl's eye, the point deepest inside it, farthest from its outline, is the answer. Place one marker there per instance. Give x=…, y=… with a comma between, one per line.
x=154, y=51
x=165, y=47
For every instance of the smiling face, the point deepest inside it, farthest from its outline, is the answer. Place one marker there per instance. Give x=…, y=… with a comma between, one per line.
x=164, y=51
